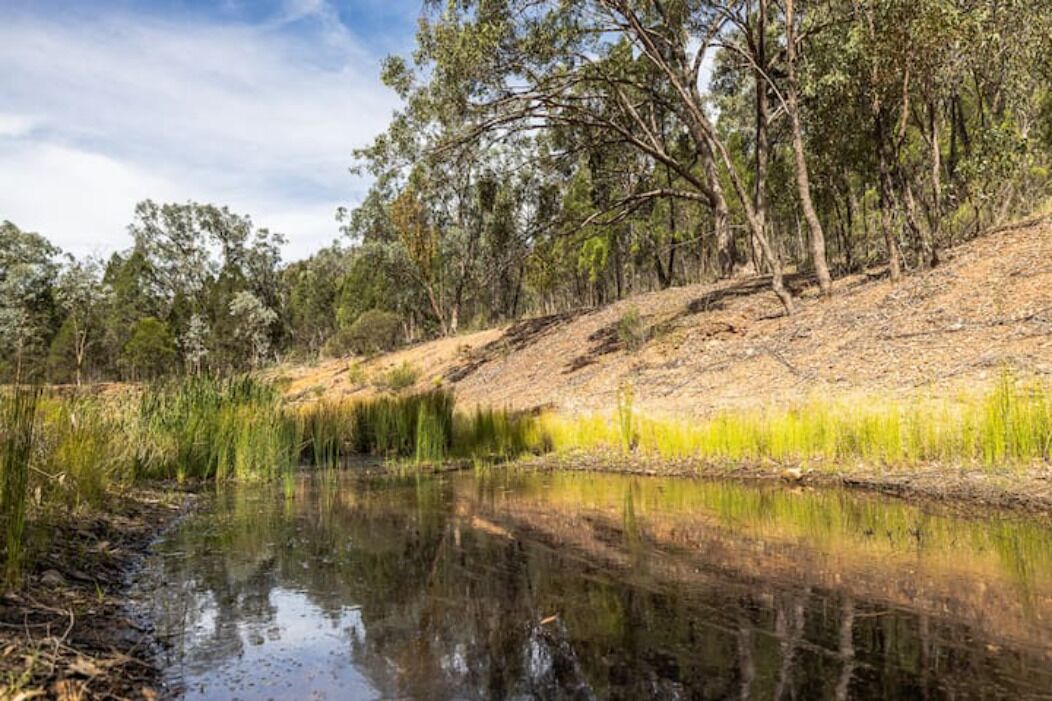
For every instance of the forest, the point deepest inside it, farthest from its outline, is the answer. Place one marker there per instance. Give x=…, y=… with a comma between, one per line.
x=556, y=155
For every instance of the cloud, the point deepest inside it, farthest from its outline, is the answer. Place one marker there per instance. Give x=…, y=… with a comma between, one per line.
x=15, y=125
x=262, y=117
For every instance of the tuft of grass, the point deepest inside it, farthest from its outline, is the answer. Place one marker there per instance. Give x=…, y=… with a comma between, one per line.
x=326, y=429
x=489, y=434
x=632, y=330
x=356, y=375
x=625, y=418
x=399, y=378
x=389, y=425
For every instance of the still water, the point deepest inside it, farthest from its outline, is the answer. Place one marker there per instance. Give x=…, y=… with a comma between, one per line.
x=510, y=585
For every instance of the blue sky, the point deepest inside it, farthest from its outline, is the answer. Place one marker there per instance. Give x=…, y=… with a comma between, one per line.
x=252, y=104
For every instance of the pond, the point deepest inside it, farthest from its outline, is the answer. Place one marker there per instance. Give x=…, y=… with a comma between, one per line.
x=565, y=585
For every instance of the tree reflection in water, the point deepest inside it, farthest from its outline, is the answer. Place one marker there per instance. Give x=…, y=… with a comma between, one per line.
x=564, y=586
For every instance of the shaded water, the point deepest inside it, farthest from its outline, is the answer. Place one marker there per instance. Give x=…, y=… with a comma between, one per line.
x=580, y=586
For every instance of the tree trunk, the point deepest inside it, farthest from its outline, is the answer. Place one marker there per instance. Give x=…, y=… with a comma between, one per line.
x=846, y=650
x=762, y=137
x=436, y=309
x=923, y=246
x=936, y=181
x=725, y=253
x=849, y=230
x=887, y=200
x=803, y=181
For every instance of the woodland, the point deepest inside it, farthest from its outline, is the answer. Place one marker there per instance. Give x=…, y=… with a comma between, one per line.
x=557, y=155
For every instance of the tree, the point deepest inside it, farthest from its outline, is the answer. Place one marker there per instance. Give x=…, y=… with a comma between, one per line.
x=195, y=343
x=253, y=322
x=503, y=69
x=27, y=313
x=803, y=178
x=150, y=351
x=82, y=297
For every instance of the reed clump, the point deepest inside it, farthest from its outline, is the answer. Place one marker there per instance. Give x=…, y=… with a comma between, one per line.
x=213, y=429
x=419, y=425
x=490, y=434
x=17, y=432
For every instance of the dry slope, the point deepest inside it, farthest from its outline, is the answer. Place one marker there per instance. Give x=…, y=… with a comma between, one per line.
x=727, y=345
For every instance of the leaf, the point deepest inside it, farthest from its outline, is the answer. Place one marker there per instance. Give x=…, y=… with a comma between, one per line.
x=85, y=667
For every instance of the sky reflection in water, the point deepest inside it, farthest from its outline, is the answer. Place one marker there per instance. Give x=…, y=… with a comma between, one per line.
x=579, y=586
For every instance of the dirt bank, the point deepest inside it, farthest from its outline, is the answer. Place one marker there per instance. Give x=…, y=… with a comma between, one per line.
x=67, y=633
x=727, y=345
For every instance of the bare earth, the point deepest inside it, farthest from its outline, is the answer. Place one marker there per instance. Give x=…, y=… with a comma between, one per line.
x=728, y=345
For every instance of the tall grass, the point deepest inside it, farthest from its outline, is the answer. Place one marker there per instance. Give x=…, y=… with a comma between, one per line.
x=489, y=434
x=213, y=429
x=1007, y=425
x=419, y=425
x=18, y=412
x=73, y=452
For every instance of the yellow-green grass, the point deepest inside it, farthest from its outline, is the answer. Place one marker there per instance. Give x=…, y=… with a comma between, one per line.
x=1007, y=426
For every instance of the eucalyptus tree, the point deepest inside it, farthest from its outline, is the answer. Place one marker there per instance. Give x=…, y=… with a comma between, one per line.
x=27, y=309
x=195, y=259
x=253, y=322
x=628, y=71
x=83, y=298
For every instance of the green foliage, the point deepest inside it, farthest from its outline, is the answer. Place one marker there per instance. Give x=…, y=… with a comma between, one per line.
x=632, y=330
x=391, y=426
x=62, y=354
x=490, y=434
x=399, y=378
x=373, y=332
x=150, y=351
x=213, y=429
x=626, y=417
x=1010, y=425
x=27, y=307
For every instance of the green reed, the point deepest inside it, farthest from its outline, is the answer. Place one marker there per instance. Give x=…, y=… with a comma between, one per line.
x=212, y=429
x=17, y=433
x=495, y=434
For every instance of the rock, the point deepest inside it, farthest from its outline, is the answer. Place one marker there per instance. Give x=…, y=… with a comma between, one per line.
x=52, y=579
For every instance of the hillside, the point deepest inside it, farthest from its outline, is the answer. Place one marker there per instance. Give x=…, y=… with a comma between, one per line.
x=987, y=306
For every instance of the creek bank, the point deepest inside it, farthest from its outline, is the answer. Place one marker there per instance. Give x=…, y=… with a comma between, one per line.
x=67, y=632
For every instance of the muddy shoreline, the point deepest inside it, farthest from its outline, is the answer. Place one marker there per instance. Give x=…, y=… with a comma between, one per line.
x=68, y=632
x=71, y=632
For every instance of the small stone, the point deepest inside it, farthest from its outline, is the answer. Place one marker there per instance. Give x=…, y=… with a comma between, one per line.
x=52, y=579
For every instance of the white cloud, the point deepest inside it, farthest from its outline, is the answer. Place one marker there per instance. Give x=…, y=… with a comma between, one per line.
x=81, y=201
x=15, y=125
x=128, y=107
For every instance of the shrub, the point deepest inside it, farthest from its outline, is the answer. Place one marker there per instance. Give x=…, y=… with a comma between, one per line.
x=356, y=375
x=399, y=377
x=373, y=332
x=631, y=330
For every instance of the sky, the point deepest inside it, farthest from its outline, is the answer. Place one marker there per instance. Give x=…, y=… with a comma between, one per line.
x=253, y=104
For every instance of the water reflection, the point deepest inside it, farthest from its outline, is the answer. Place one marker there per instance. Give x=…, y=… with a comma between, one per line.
x=574, y=586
